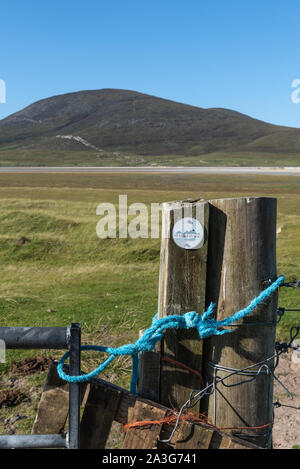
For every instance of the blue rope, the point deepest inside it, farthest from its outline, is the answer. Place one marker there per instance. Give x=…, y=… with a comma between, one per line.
x=205, y=324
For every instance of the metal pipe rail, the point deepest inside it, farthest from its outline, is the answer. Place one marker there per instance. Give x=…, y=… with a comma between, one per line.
x=48, y=338
x=35, y=337
x=33, y=441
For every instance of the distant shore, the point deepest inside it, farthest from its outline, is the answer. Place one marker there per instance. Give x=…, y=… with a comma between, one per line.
x=270, y=171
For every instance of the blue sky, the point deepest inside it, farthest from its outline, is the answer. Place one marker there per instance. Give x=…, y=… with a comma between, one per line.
x=241, y=55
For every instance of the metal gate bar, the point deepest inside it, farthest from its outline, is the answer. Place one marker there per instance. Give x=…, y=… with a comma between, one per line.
x=35, y=337
x=48, y=338
x=74, y=388
x=33, y=441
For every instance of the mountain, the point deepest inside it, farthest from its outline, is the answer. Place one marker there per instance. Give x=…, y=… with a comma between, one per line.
x=126, y=127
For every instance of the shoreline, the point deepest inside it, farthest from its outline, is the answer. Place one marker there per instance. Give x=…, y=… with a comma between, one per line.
x=270, y=171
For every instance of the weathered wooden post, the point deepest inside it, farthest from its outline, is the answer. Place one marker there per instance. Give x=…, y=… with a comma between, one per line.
x=182, y=285
x=242, y=256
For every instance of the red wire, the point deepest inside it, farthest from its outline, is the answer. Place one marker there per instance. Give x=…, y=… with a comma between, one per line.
x=185, y=367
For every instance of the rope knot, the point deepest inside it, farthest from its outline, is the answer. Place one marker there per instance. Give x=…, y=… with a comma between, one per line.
x=192, y=319
x=205, y=324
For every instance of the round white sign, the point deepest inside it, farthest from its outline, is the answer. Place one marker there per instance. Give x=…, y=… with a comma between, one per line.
x=188, y=233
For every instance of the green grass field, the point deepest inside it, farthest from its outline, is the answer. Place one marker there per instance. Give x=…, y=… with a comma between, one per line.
x=46, y=157
x=51, y=258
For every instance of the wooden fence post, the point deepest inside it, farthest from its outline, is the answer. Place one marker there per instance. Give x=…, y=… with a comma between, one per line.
x=182, y=284
x=53, y=408
x=242, y=255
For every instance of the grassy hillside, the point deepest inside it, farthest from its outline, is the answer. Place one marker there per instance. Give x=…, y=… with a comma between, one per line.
x=119, y=127
x=55, y=270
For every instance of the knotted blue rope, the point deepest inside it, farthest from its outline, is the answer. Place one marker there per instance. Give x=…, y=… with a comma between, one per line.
x=205, y=324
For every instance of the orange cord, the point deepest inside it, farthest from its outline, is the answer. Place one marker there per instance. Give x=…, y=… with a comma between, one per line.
x=191, y=418
x=246, y=428
x=169, y=419
x=188, y=416
x=185, y=367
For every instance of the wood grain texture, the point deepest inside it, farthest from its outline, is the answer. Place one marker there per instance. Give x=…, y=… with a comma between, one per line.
x=149, y=373
x=144, y=437
x=98, y=415
x=53, y=408
x=133, y=408
x=242, y=254
x=193, y=437
x=182, y=284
